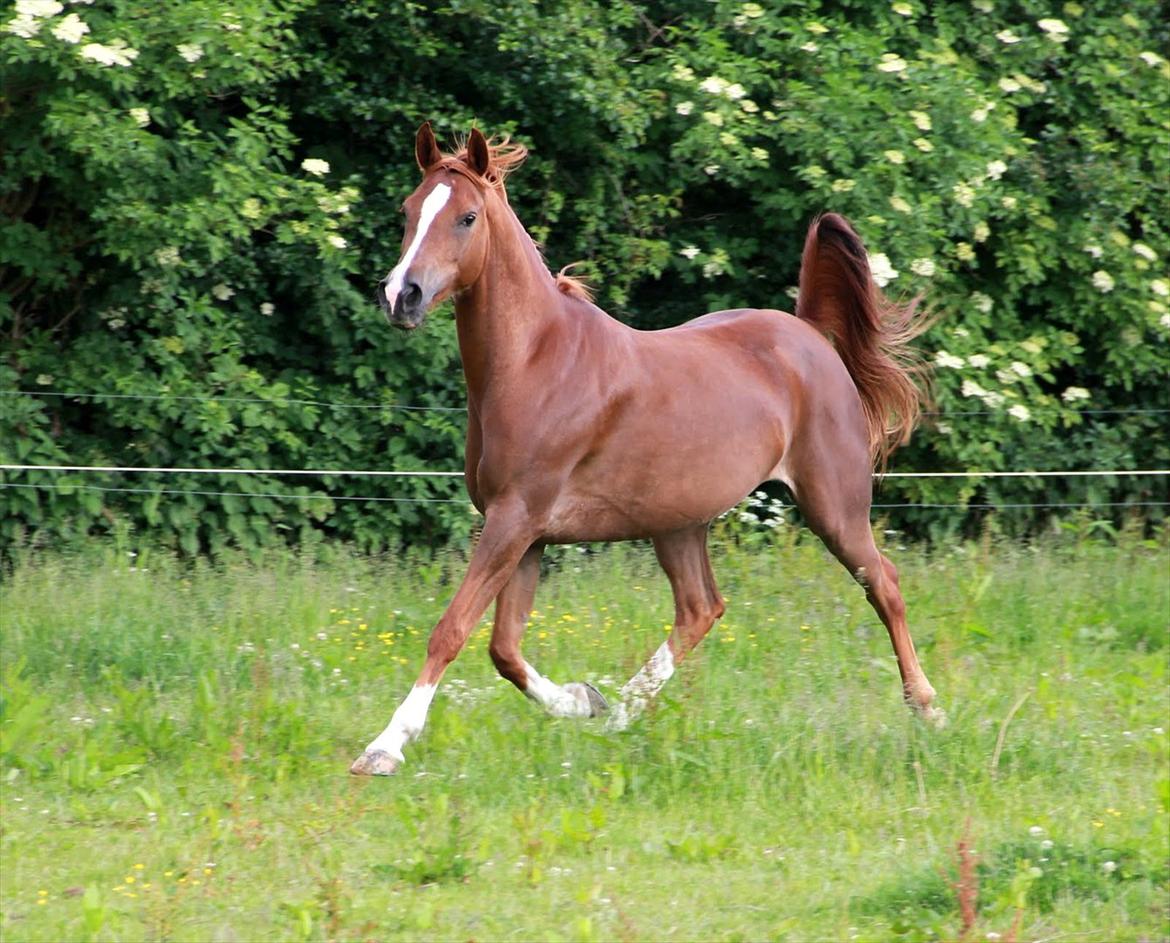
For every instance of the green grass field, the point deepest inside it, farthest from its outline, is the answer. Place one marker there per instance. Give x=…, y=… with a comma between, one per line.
x=175, y=739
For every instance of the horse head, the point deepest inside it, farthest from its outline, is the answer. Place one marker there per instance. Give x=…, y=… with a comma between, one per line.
x=446, y=238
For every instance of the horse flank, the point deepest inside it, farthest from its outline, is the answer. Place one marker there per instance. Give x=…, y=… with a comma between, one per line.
x=872, y=334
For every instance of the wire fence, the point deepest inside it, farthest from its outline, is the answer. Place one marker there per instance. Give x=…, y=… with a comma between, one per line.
x=422, y=407
x=327, y=473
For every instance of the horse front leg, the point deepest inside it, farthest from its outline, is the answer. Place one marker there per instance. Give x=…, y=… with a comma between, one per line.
x=508, y=532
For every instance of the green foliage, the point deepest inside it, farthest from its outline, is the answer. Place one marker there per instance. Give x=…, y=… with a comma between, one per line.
x=199, y=198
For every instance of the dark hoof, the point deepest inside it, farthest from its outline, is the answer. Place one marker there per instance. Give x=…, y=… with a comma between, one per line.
x=374, y=763
x=598, y=705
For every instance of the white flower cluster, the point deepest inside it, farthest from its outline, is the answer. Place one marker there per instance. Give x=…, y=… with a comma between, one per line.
x=881, y=269
x=116, y=52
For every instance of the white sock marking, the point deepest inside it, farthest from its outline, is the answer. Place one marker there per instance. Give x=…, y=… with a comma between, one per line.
x=407, y=722
x=641, y=688
x=434, y=202
x=552, y=697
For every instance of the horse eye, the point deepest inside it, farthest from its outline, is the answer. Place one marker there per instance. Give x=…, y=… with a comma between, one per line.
x=467, y=220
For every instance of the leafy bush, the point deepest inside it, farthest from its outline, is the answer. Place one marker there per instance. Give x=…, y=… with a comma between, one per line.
x=199, y=199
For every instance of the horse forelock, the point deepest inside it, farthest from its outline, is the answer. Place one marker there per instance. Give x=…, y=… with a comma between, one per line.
x=504, y=156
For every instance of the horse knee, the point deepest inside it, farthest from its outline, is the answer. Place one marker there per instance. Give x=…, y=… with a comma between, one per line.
x=445, y=643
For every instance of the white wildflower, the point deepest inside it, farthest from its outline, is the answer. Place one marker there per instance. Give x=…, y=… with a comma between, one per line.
x=1007, y=37
x=881, y=269
x=964, y=252
x=1035, y=831
x=891, y=62
x=923, y=267
x=23, y=25
x=141, y=116
x=921, y=120
x=222, y=292
x=714, y=85
x=749, y=106
x=1103, y=281
x=894, y=157
x=41, y=9
x=683, y=73
x=1021, y=369
x=735, y=91
x=758, y=153
x=1159, y=286
x=338, y=242
x=979, y=115
x=315, y=166
x=167, y=256
x=689, y=252
x=996, y=169
x=993, y=399
x=1164, y=320
x=1095, y=251
x=71, y=29
x=983, y=6
x=1056, y=29
x=267, y=309
x=903, y=9
x=981, y=302
x=713, y=118
x=810, y=47
x=923, y=145
x=711, y=170
x=900, y=205
x=971, y=388
x=1152, y=59
x=1074, y=394
x=752, y=10
x=116, y=53
x=190, y=52
x=1009, y=202
x=1109, y=867
x=945, y=359
x=981, y=232
x=964, y=194
x=843, y=185
x=1009, y=85
x=684, y=108
x=1145, y=252
x=979, y=361
x=816, y=28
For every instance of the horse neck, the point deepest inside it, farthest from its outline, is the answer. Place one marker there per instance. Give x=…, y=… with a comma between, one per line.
x=502, y=314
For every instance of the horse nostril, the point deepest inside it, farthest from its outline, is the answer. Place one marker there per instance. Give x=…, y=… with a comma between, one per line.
x=411, y=294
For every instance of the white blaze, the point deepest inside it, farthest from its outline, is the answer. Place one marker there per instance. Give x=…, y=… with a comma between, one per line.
x=434, y=202
x=407, y=722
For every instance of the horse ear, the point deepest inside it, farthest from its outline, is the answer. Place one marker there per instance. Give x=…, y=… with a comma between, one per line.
x=478, y=158
x=426, y=151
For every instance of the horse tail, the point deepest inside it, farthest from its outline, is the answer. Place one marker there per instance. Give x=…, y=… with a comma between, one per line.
x=872, y=334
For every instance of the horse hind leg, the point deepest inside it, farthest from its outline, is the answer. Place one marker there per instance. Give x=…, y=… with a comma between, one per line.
x=838, y=513
x=514, y=603
x=697, y=604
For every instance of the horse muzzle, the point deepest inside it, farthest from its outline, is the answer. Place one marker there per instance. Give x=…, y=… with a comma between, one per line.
x=407, y=308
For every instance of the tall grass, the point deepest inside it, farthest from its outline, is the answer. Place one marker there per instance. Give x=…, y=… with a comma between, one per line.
x=174, y=739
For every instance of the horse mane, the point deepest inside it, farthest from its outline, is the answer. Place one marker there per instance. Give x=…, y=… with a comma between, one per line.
x=504, y=156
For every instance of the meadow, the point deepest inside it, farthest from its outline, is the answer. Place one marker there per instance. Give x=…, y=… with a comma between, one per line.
x=175, y=737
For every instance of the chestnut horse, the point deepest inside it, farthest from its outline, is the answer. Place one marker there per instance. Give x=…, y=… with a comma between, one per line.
x=581, y=428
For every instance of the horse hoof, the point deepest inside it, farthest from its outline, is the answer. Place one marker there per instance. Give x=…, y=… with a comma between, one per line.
x=374, y=763
x=591, y=702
